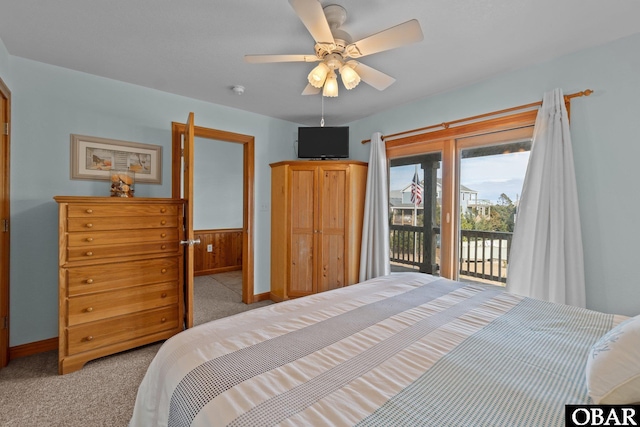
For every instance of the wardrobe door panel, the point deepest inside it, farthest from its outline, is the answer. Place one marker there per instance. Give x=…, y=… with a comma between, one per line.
x=303, y=228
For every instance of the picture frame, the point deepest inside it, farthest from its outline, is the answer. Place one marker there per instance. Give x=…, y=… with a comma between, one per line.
x=93, y=158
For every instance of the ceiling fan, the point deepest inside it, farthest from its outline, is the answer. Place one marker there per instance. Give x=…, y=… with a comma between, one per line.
x=334, y=48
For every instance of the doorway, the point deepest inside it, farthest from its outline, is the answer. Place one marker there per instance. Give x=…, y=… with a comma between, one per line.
x=247, y=142
x=5, y=120
x=218, y=208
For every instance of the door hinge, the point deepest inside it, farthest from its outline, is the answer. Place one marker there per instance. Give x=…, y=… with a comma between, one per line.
x=5, y=323
x=5, y=128
x=5, y=225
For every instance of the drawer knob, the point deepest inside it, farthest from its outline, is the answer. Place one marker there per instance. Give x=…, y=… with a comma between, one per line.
x=164, y=270
x=89, y=253
x=89, y=225
x=163, y=222
x=163, y=235
x=164, y=319
x=164, y=295
x=89, y=281
x=89, y=239
x=89, y=338
x=163, y=210
x=89, y=309
x=89, y=211
x=163, y=247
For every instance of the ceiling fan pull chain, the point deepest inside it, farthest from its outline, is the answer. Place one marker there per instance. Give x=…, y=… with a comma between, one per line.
x=322, y=120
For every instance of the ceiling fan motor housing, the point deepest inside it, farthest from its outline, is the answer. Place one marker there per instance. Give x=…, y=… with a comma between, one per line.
x=336, y=15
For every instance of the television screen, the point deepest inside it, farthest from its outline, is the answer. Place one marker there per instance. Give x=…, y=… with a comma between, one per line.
x=323, y=142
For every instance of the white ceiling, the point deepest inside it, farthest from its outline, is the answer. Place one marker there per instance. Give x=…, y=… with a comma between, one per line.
x=195, y=48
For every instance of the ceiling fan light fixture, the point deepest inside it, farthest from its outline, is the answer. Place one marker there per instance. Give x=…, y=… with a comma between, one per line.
x=350, y=78
x=331, y=85
x=318, y=75
x=333, y=46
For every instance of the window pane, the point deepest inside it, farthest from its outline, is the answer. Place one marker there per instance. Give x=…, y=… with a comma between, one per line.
x=414, y=213
x=491, y=179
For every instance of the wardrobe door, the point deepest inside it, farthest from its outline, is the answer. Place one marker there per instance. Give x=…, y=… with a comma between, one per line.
x=303, y=227
x=332, y=202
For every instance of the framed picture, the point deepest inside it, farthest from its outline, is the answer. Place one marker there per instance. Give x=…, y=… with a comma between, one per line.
x=93, y=158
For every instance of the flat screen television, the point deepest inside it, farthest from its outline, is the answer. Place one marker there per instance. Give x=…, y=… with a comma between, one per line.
x=328, y=142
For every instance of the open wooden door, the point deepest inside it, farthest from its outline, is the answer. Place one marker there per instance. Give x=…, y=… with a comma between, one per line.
x=5, y=119
x=177, y=177
x=187, y=195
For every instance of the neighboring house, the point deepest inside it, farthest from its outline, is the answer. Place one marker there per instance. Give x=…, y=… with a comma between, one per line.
x=402, y=210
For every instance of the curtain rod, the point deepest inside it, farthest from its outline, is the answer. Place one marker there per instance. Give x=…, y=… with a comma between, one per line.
x=446, y=125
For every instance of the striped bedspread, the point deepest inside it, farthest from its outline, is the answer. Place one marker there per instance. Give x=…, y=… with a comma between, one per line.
x=407, y=349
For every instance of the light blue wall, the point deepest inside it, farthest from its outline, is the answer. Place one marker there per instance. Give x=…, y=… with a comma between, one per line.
x=50, y=103
x=4, y=63
x=217, y=184
x=605, y=133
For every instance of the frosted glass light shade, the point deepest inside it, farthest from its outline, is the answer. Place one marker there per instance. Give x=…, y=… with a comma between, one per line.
x=318, y=75
x=331, y=85
x=350, y=78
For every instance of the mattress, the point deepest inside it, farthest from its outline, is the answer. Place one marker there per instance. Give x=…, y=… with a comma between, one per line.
x=405, y=349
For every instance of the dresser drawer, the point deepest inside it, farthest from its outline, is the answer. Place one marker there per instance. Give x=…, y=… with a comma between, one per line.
x=120, y=210
x=111, y=276
x=89, y=308
x=122, y=222
x=98, y=334
x=92, y=238
x=110, y=251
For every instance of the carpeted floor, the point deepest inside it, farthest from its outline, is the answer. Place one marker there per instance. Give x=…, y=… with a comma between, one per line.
x=103, y=392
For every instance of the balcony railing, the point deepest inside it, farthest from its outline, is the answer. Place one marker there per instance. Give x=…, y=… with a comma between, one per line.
x=482, y=254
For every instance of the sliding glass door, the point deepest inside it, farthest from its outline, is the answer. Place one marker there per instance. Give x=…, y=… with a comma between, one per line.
x=461, y=222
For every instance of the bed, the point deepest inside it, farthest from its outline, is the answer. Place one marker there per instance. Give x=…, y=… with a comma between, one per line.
x=405, y=349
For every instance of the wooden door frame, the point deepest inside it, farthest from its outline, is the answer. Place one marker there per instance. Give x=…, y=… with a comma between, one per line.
x=248, y=143
x=5, y=99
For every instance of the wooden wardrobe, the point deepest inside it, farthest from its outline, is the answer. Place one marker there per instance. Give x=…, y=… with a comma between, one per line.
x=316, y=225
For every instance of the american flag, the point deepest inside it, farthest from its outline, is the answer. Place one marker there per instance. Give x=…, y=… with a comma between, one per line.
x=416, y=190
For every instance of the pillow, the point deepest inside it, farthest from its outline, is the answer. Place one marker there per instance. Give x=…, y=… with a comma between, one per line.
x=613, y=367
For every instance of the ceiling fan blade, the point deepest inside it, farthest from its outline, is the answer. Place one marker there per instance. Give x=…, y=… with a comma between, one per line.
x=310, y=90
x=312, y=16
x=371, y=76
x=391, y=38
x=262, y=59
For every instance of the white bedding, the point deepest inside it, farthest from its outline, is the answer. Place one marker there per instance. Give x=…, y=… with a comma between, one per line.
x=406, y=349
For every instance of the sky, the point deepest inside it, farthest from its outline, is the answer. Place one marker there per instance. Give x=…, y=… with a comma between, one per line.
x=490, y=176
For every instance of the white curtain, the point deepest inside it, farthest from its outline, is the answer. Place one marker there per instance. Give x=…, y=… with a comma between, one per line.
x=374, y=254
x=546, y=258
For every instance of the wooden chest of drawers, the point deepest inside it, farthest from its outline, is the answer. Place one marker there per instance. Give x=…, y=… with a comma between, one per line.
x=120, y=277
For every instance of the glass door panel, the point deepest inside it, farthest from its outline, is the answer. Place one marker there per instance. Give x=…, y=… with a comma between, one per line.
x=415, y=206
x=490, y=186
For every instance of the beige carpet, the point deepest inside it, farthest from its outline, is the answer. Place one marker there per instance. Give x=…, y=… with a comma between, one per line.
x=103, y=392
